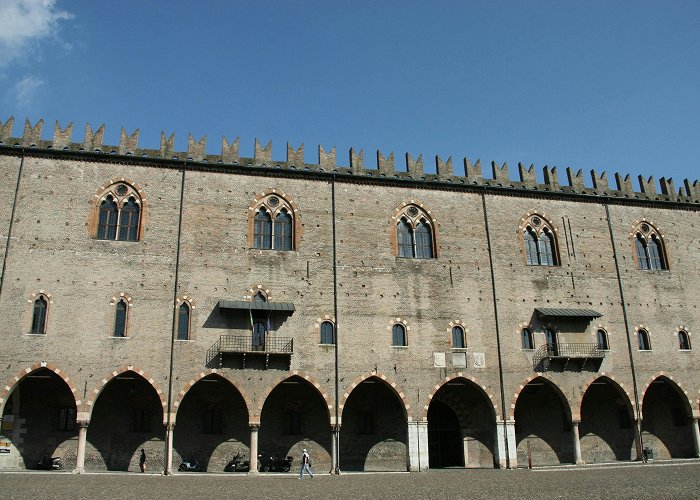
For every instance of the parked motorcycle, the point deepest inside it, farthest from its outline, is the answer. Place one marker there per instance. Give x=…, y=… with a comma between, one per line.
x=276, y=464
x=237, y=464
x=48, y=462
x=190, y=465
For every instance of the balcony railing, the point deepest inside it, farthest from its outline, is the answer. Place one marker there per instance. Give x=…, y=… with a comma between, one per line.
x=246, y=345
x=566, y=352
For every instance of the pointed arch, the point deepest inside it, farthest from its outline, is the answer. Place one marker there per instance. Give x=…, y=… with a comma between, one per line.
x=610, y=379
x=257, y=412
x=472, y=381
x=92, y=396
x=14, y=381
x=236, y=384
x=688, y=406
x=414, y=231
x=379, y=376
x=550, y=383
x=538, y=237
x=649, y=247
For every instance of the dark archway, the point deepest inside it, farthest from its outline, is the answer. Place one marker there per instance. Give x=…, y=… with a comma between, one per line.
x=666, y=422
x=461, y=426
x=543, y=419
x=128, y=416
x=211, y=424
x=373, y=436
x=606, y=430
x=39, y=419
x=295, y=416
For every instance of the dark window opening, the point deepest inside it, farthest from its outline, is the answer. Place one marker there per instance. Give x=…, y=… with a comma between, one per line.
x=292, y=423
x=526, y=339
x=183, y=322
x=643, y=339
x=327, y=333
x=39, y=315
x=120, y=319
x=458, y=341
x=684, y=340
x=398, y=335
x=602, y=338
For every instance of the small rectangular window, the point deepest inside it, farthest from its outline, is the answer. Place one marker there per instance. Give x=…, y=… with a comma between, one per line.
x=66, y=419
x=292, y=423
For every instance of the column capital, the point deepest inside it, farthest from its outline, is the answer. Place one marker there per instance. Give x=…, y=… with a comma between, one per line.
x=254, y=427
x=82, y=423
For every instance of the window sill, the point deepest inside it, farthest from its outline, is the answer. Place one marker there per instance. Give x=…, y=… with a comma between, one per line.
x=326, y=345
x=184, y=340
x=458, y=349
x=120, y=338
x=644, y=350
x=35, y=335
x=685, y=350
x=400, y=346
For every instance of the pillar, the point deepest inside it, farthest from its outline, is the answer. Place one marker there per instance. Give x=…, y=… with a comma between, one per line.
x=335, y=439
x=254, y=449
x=506, y=456
x=169, y=431
x=82, y=440
x=577, y=442
x=418, y=446
x=696, y=437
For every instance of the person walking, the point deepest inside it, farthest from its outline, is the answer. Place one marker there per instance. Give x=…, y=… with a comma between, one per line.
x=305, y=465
x=142, y=461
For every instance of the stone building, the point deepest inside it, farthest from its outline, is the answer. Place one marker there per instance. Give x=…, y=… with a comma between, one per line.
x=200, y=305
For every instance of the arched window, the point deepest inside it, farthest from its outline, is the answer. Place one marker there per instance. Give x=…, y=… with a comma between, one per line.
x=649, y=248
x=327, y=333
x=458, y=338
x=183, y=322
x=526, y=339
x=551, y=339
x=39, y=315
x=119, y=213
x=684, y=340
x=120, y=318
x=273, y=224
x=602, y=338
x=540, y=242
x=415, y=235
x=398, y=335
x=643, y=340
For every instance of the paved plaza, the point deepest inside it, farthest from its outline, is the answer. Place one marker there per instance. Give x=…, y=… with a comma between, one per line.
x=653, y=480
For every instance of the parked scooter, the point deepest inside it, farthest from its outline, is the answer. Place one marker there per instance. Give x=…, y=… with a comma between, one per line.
x=48, y=462
x=276, y=464
x=190, y=465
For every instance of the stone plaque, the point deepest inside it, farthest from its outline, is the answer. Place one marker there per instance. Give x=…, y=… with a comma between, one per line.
x=439, y=359
x=479, y=360
x=459, y=359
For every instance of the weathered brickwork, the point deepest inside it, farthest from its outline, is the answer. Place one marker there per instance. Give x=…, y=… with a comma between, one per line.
x=194, y=393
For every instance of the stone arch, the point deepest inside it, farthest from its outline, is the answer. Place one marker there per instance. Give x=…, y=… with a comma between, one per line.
x=618, y=385
x=288, y=202
x=89, y=403
x=423, y=212
x=257, y=411
x=466, y=378
x=20, y=375
x=677, y=386
x=105, y=189
x=568, y=406
x=391, y=384
x=235, y=383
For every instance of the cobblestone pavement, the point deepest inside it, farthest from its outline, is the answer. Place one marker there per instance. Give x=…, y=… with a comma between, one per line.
x=657, y=480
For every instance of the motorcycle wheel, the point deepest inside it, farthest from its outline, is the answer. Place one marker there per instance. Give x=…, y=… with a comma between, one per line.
x=286, y=467
x=59, y=466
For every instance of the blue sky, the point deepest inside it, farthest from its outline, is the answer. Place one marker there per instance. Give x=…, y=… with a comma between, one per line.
x=610, y=85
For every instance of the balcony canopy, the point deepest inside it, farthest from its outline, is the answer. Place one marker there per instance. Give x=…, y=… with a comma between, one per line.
x=256, y=305
x=546, y=312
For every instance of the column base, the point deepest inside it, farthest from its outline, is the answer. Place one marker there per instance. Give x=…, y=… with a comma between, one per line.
x=253, y=473
x=80, y=470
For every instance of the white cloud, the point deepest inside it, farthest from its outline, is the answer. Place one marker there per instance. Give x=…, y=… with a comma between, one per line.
x=23, y=23
x=23, y=91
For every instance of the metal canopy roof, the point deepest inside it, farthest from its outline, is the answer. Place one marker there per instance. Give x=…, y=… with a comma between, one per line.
x=571, y=313
x=257, y=305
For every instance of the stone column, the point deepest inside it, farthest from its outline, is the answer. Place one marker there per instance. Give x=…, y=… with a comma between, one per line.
x=253, y=449
x=82, y=440
x=169, y=431
x=577, y=442
x=696, y=437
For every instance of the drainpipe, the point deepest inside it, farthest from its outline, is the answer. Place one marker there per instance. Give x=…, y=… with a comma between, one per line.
x=9, y=230
x=336, y=428
x=169, y=426
x=498, y=332
x=637, y=423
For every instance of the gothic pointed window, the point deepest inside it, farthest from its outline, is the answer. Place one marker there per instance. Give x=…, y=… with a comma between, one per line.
x=183, y=322
x=119, y=213
x=274, y=223
x=649, y=248
x=120, y=318
x=39, y=315
x=415, y=233
x=539, y=241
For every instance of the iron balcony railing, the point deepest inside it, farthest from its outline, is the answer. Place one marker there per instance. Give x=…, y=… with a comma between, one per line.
x=581, y=351
x=248, y=344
